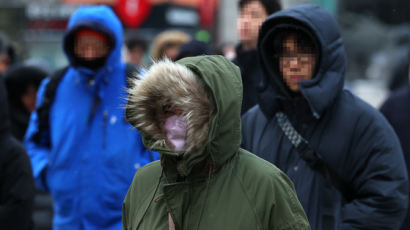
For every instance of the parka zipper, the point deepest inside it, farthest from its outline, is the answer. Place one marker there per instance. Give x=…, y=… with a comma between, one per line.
x=104, y=126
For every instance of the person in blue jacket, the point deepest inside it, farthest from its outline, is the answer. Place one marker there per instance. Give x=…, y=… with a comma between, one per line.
x=342, y=155
x=89, y=154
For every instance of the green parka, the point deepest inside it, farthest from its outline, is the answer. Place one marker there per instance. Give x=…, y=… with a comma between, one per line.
x=213, y=184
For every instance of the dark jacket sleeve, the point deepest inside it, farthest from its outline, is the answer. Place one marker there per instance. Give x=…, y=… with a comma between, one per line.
x=253, y=121
x=37, y=153
x=17, y=187
x=385, y=109
x=378, y=177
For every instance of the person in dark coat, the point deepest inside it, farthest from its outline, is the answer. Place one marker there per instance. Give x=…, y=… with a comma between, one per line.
x=8, y=55
x=193, y=48
x=16, y=178
x=22, y=82
x=342, y=155
x=397, y=111
x=251, y=15
x=136, y=48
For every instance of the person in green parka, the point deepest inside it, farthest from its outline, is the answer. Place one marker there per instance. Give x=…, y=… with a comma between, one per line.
x=189, y=112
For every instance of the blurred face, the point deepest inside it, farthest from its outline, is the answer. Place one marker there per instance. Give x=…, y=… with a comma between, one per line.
x=296, y=63
x=4, y=63
x=175, y=127
x=250, y=19
x=136, y=55
x=90, y=47
x=29, y=98
x=171, y=52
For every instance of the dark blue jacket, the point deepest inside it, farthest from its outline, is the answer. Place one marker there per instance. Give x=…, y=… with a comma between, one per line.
x=397, y=111
x=94, y=154
x=368, y=185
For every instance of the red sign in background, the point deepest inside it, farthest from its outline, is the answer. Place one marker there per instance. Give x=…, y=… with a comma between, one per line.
x=133, y=12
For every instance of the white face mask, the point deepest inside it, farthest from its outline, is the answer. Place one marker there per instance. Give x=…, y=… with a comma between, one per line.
x=175, y=126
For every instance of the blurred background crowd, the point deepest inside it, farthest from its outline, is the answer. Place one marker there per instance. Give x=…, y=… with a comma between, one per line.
x=374, y=32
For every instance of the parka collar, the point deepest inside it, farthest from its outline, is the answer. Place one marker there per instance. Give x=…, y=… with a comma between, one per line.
x=327, y=84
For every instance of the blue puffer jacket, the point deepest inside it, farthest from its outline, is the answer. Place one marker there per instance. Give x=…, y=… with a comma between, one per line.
x=93, y=155
x=366, y=184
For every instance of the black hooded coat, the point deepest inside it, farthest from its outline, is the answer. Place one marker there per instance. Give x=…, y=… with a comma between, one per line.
x=366, y=184
x=251, y=73
x=16, y=178
x=397, y=111
x=17, y=79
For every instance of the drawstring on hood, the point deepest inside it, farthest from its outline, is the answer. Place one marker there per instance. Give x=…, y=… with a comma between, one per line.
x=208, y=181
x=152, y=198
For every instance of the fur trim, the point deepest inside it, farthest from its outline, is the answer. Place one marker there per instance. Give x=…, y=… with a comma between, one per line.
x=169, y=86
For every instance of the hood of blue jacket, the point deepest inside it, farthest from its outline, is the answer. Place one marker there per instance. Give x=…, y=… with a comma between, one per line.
x=327, y=83
x=101, y=19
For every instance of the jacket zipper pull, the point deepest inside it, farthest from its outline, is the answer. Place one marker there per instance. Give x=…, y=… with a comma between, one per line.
x=105, y=120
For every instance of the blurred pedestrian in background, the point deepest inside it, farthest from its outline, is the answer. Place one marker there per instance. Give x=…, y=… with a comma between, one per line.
x=136, y=48
x=193, y=48
x=397, y=111
x=22, y=82
x=252, y=13
x=8, y=56
x=167, y=44
x=16, y=178
x=189, y=112
x=227, y=50
x=342, y=155
x=81, y=148
x=400, y=77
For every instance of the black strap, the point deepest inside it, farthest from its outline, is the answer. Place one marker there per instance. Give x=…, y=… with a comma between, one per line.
x=316, y=162
x=301, y=144
x=42, y=135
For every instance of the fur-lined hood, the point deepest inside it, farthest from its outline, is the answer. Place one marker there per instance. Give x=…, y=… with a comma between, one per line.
x=208, y=91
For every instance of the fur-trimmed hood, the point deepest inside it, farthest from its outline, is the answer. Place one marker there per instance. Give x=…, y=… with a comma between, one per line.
x=208, y=91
